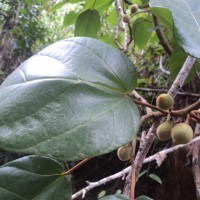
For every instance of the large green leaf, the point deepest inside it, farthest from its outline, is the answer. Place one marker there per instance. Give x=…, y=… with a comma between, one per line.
x=87, y=24
x=176, y=62
x=186, y=16
x=116, y=197
x=34, y=177
x=69, y=101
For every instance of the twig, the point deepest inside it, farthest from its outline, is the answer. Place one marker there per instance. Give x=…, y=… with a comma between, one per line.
x=180, y=79
x=117, y=28
x=142, y=99
x=162, y=68
x=122, y=173
x=161, y=37
x=165, y=91
x=169, y=150
x=76, y=166
x=128, y=2
x=125, y=45
x=92, y=185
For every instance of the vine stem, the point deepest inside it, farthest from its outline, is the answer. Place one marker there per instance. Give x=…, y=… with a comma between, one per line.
x=76, y=166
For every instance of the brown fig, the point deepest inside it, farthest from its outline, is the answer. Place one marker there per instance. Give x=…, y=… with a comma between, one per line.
x=165, y=101
x=182, y=133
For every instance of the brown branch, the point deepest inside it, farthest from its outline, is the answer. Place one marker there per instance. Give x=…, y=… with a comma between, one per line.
x=142, y=99
x=182, y=113
x=165, y=91
x=161, y=37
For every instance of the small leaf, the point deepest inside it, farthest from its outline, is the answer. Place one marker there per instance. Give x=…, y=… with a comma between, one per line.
x=87, y=24
x=70, y=18
x=101, y=194
x=143, y=198
x=116, y=197
x=142, y=27
x=142, y=173
x=156, y=178
x=186, y=16
x=34, y=177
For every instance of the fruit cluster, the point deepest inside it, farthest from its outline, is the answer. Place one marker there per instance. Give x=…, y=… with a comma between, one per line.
x=134, y=9
x=181, y=133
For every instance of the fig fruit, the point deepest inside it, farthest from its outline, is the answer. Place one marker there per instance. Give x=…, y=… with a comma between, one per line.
x=124, y=153
x=182, y=133
x=126, y=18
x=134, y=8
x=165, y=101
x=164, y=131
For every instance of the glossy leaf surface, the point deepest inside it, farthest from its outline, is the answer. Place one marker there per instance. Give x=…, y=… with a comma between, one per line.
x=69, y=101
x=186, y=16
x=34, y=177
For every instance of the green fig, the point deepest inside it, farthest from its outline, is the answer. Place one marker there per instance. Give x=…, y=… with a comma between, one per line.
x=164, y=131
x=165, y=101
x=124, y=153
x=134, y=8
x=182, y=133
x=126, y=18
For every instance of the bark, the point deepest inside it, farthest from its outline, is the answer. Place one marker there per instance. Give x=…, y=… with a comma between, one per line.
x=196, y=163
